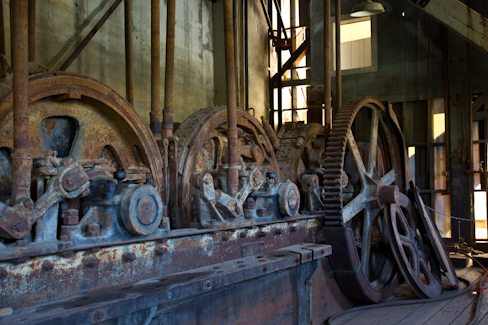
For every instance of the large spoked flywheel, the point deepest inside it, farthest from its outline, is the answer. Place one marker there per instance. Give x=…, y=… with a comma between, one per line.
x=364, y=171
x=203, y=147
x=84, y=119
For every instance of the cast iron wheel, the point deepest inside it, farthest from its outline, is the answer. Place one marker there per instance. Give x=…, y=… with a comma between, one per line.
x=364, y=169
x=202, y=148
x=83, y=119
x=300, y=150
x=414, y=256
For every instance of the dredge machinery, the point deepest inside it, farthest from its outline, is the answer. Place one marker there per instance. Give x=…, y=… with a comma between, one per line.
x=99, y=218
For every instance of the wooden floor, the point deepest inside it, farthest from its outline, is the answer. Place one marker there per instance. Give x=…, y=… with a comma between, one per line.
x=454, y=311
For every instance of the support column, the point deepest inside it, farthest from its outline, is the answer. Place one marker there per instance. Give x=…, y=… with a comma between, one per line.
x=32, y=30
x=230, y=74
x=169, y=71
x=21, y=159
x=338, y=55
x=129, y=70
x=327, y=66
x=155, y=114
x=459, y=116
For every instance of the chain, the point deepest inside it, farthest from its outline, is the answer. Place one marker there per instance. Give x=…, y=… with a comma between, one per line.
x=452, y=217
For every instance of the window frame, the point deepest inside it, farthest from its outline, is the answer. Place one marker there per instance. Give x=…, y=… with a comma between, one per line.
x=347, y=19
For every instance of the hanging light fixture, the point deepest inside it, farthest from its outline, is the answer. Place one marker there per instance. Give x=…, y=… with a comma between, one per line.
x=367, y=8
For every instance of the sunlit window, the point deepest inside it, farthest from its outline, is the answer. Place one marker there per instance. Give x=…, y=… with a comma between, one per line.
x=356, y=44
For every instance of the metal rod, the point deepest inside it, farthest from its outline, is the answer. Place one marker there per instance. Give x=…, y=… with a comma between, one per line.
x=338, y=55
x=21, y=162
x=90, y=35
x=271, y=82
x=2, y=30
x=268, y=20
x=169, y=71
x=230, y=74
x=155, y=114
x=327, y=66
x=32, y=30
x=280, y=87
x=129, y=70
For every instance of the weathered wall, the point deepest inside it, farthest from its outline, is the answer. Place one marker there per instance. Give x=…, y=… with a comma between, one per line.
x=62, y=24
x=402, y=73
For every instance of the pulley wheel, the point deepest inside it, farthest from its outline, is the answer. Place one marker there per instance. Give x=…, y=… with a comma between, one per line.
x=413, y=254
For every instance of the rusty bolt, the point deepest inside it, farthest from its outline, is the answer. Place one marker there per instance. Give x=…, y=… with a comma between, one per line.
x=93, y=230
x=243, y=234
x=208, y=285
x=309, y=256
x=262, y=212
x=297, y=260
x=129, y=257
x=278, y=231
x=92, y=262
x=249, y=204
x=28, y=203
x=85, y=193
x=265, y=268
x=47, y=266
x=70, y=217
x=225, y=238
x=160, y=250
x=261, y=234
x=20, y=226
x=21, y=243
x=66, y=161
x=98, y=315
x=171, y=148
x=293, y=228
x=3, y=273
x=171, y=157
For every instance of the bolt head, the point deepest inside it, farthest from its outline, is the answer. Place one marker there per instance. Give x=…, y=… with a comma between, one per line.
x=3, y=273
x=129, y=257
x=47, y=266
x=161, y=251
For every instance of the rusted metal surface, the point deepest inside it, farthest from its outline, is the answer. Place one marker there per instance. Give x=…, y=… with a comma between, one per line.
x=32, y=30
x=2, y=30
x=104, y=124
x=230, y=77
x=256, y=275
x=26, y=284
x=338, y=55
x=169, y=70
x=327, y=66
x=89, y=36
x=155, y=114
x=207, y=154
x=359, y=163
x=412, y=249
x=21, y=163
x=129, y=70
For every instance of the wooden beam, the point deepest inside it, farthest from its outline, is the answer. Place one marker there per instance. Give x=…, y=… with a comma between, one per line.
x=459, y=18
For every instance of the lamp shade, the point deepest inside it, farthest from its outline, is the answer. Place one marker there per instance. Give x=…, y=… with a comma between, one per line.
x=367, y=8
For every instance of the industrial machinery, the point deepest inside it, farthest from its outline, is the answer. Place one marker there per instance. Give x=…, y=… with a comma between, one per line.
x=92, y=201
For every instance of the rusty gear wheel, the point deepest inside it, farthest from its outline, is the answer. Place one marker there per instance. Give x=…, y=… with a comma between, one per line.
x=202, y=148
x=84, y=119
x=300, y=150
x=364, y=168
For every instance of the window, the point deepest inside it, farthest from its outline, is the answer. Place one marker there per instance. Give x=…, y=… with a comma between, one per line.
x=358, y=45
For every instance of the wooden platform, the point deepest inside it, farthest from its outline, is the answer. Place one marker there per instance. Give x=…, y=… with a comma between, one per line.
x=455, y=311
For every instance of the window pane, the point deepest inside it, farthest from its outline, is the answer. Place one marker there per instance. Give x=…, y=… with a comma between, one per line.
x=443, y=203
x=440, y=168
x=480, y=215
x=439, y=120
x=356, y=51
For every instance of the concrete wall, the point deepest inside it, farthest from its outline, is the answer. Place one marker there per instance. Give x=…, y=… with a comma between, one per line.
x=62, y=24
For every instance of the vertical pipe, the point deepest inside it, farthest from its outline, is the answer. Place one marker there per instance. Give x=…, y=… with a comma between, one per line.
x=271, y=83
x=327, y=65
x=280, y=86
x=338, y=55
x=21, y=161
x=32, y=30
x=2, y=30
x=129, y=70
x=230, y=74
x=155, y=114
x=169, y=71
